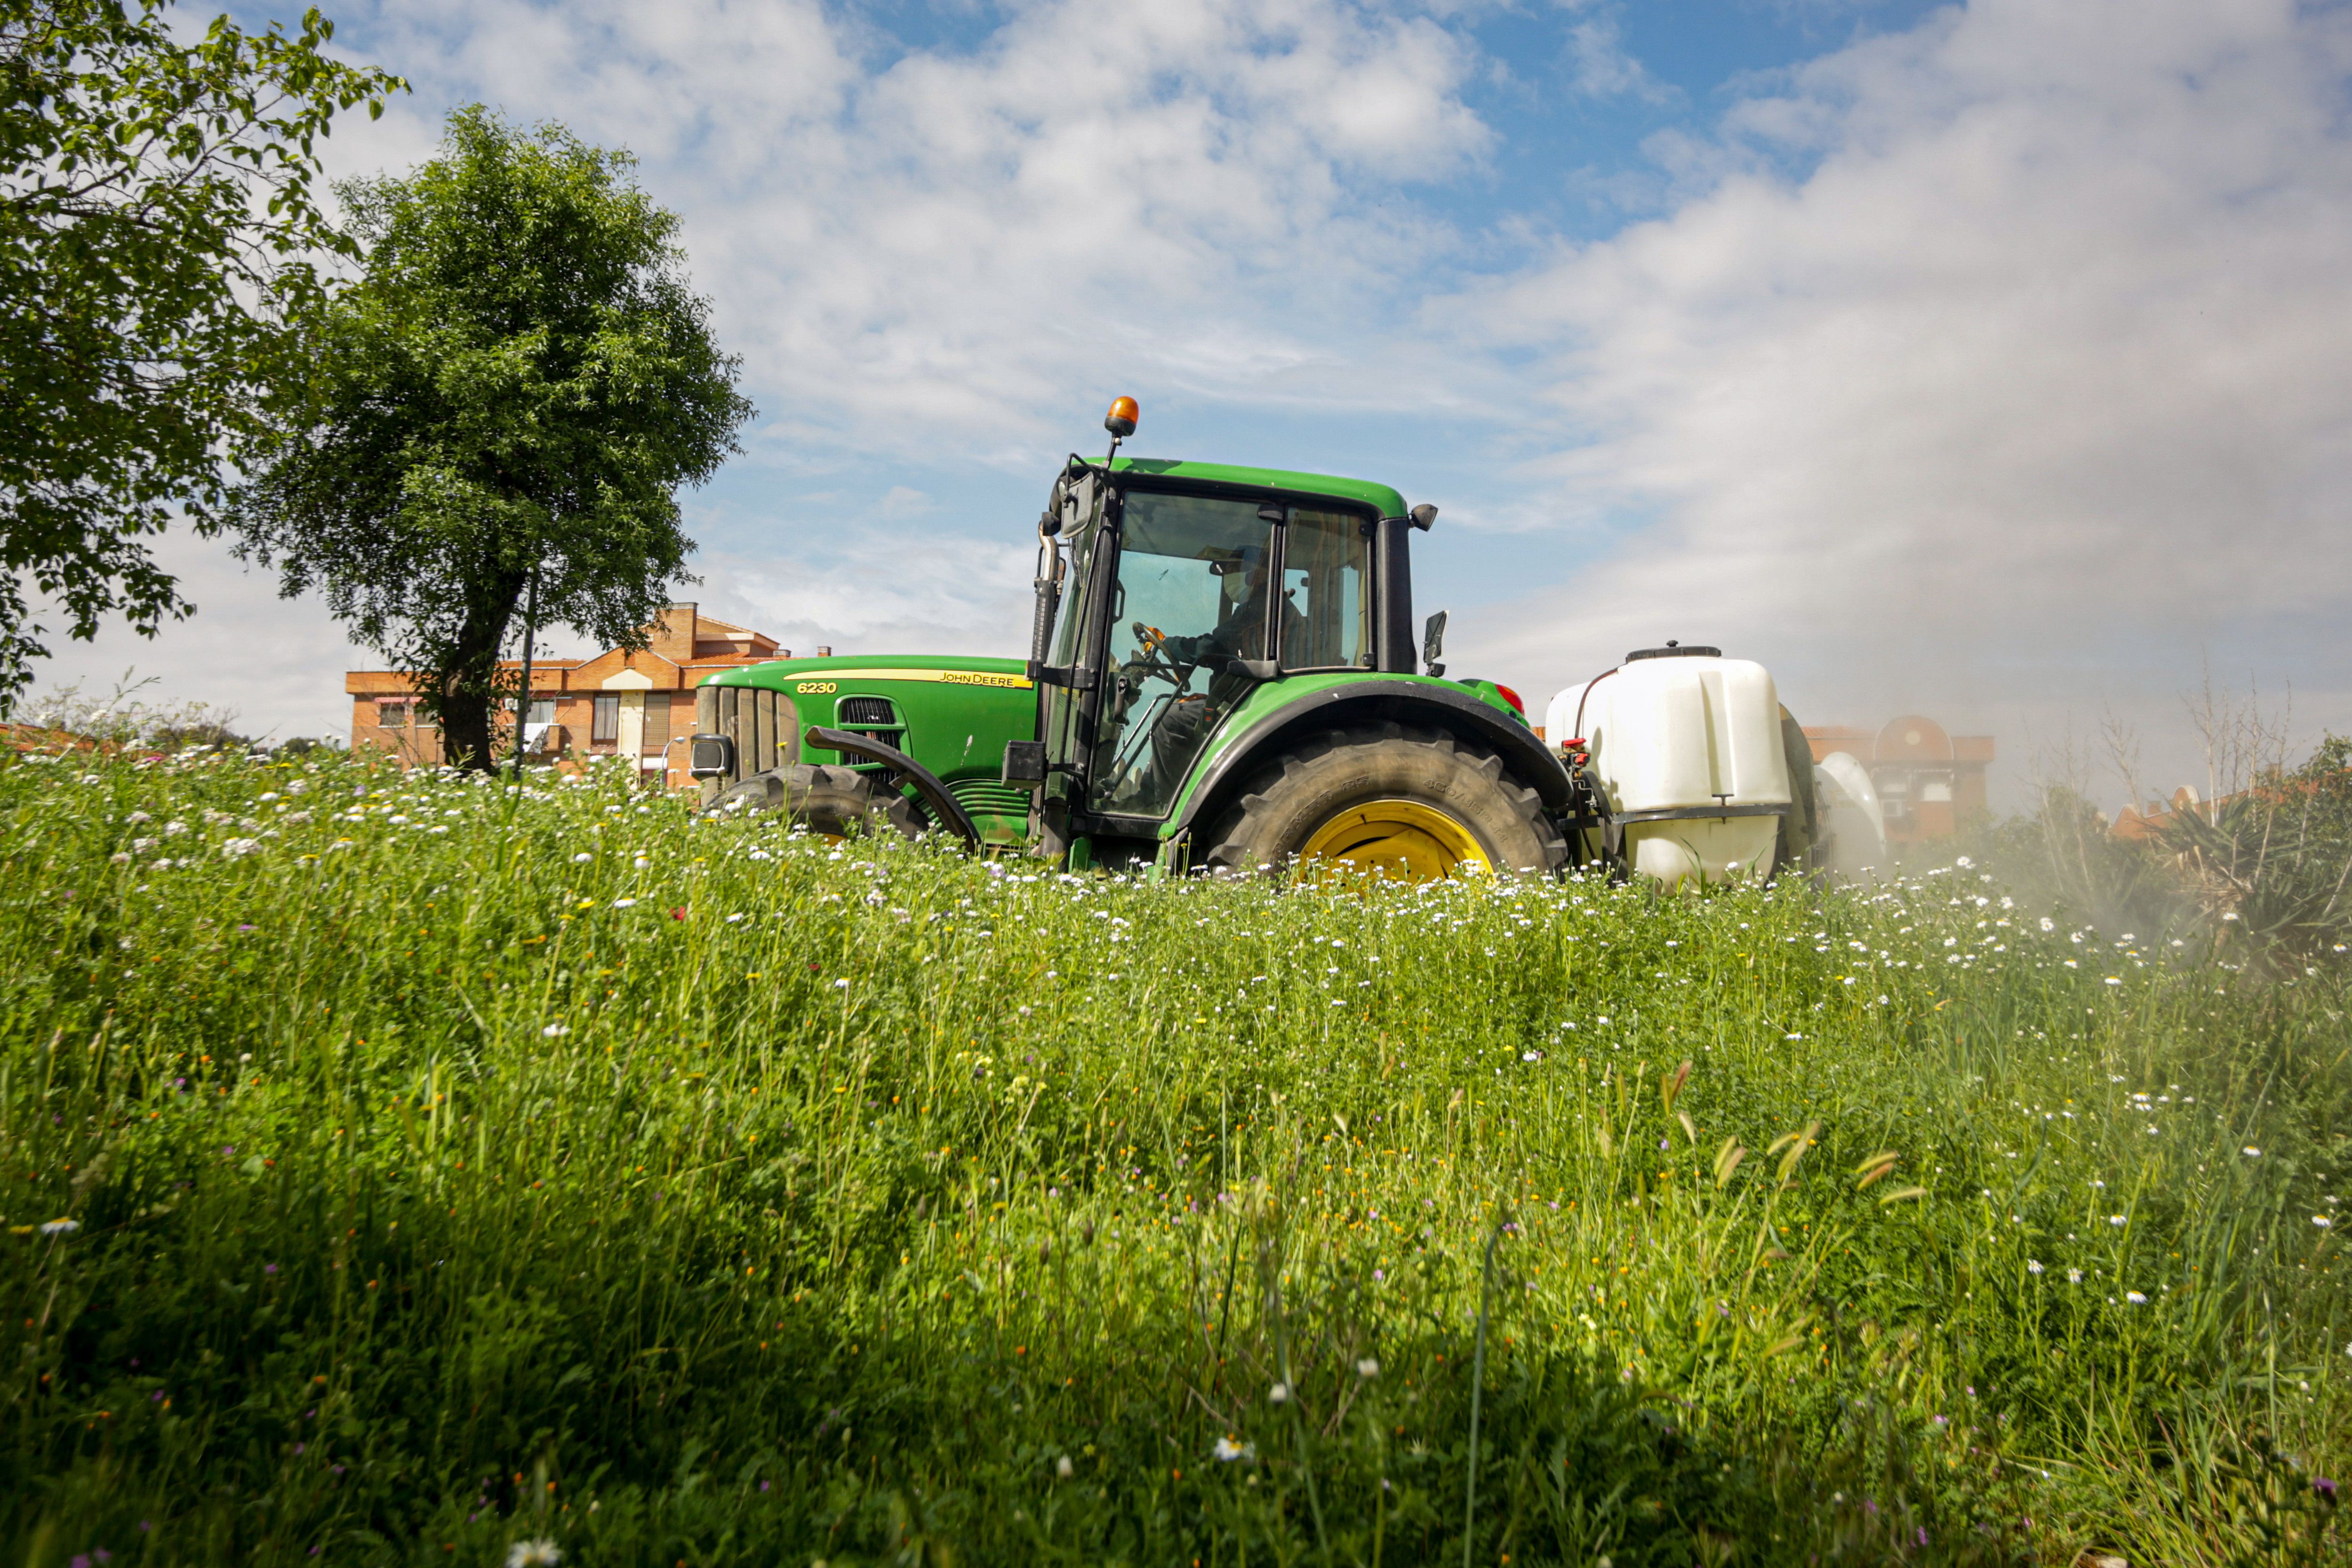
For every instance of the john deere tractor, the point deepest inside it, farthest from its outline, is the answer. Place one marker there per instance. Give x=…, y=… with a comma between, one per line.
x=1223, y=677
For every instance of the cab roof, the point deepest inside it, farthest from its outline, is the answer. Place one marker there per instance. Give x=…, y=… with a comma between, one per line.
x=1362, y=492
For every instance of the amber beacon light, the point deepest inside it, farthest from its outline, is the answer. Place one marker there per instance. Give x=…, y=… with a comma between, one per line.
x=1120, y=423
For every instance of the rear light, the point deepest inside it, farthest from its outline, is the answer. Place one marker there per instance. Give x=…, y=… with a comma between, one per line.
x=1512, y=698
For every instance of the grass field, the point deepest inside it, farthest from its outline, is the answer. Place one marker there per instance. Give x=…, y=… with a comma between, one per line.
x=396, y=1169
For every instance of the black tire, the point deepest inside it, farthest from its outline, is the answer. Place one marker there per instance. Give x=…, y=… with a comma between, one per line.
x=835, y=801
x=1283, y=807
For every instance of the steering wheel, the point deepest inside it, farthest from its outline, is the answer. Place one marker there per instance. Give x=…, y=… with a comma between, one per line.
x=1151, y=651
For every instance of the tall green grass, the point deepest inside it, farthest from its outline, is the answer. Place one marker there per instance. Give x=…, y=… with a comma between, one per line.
x=447, y=1165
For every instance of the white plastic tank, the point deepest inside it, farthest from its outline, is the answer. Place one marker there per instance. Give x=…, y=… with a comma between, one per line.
x=1672, y=732
x=1851, y=819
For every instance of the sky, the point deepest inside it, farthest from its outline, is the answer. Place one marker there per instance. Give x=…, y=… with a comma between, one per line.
x=1989, y=360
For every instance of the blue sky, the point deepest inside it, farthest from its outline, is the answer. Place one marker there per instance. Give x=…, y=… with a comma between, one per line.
x=1984, y=360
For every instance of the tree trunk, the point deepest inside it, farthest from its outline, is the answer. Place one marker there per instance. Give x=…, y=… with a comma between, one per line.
x=469, y=685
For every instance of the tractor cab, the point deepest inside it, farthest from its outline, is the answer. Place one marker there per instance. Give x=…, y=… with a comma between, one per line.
x=1171, y=593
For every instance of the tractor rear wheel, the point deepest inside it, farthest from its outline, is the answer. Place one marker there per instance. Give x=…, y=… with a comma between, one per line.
x=831, y=801
x=1415, y=806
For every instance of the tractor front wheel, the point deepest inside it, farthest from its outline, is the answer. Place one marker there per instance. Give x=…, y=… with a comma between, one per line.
x=831, y=801
x=1415, y=807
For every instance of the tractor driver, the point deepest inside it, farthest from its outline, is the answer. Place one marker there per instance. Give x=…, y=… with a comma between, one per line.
x=1241, y=630
x=1240, y=634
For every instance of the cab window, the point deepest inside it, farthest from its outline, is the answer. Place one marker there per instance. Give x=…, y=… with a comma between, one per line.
x=1327, y=590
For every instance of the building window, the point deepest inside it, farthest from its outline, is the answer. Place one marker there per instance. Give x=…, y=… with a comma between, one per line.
x=392, y=715
x=656, y=741
x=607, y=726
x=543, y=711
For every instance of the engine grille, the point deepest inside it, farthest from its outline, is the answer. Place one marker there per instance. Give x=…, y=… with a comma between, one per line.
x=986, y=797
x=867, y=711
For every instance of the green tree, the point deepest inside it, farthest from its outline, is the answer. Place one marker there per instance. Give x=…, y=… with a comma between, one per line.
x=157, y=237
x=505, y=402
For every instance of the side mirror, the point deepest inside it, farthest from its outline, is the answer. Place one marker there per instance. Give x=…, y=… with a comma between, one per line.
x=1433, y=642
x=710, y=757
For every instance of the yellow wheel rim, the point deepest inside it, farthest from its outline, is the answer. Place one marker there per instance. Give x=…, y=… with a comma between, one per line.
x=1403, y=839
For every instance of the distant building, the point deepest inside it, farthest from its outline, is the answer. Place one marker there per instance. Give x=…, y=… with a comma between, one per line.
x=1928, y=782
x=2158, y=818
x=619, y=703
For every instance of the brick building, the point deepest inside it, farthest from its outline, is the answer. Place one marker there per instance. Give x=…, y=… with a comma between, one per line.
x=619, y=703
x=1928, y=781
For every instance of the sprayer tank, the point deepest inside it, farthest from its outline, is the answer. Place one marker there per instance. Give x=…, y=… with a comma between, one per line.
x=1680, y=731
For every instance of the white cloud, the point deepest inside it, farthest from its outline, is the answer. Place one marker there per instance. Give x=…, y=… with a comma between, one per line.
x=899, y=592
x=2033, y=384
x=960, y=247
x=1598, y=63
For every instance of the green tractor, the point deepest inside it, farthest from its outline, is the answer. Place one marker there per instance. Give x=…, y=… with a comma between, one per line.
x=1223, y=677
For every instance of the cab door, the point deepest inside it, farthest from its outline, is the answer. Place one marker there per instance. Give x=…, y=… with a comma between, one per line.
x=1193, y=614
x=1082, y=557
